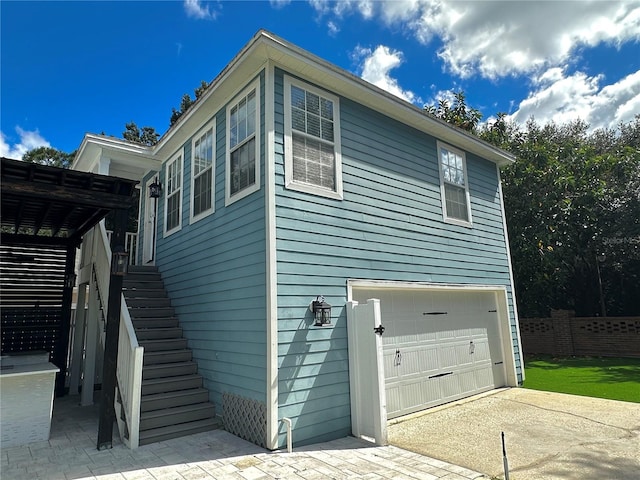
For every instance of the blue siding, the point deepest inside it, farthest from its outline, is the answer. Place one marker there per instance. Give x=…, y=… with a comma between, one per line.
x=388, y=227
x=215, y=273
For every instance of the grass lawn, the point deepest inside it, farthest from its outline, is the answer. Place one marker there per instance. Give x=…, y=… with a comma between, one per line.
x=612, y=378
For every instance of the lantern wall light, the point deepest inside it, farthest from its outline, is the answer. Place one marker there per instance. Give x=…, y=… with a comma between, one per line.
x=155, y=189
x=321, y=311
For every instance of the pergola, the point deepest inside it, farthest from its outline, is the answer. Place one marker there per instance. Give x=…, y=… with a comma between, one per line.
x=45, y=211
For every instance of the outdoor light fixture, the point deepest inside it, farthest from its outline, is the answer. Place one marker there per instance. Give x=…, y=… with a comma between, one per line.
x=70, y=280
x=119, y=263
x=322, y=311
x=155, y=188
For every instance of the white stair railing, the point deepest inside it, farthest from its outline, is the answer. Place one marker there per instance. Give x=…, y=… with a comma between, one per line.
x=130, y=353
x=130, y=245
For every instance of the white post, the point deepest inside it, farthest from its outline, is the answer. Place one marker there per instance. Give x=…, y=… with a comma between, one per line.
x=90, y=347
x=78, y=341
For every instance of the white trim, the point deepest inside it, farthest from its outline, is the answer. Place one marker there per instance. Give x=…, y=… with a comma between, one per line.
x=205, y=213
x=179, y=156
x=516, y=317
x=447, y=219
x=290, y=183
x=228, y=198
x=511, y=376
x=271, y=264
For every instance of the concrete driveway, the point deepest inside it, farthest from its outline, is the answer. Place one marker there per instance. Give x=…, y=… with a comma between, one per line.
x=548, y=435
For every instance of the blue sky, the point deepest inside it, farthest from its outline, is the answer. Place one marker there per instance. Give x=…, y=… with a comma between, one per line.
x=68, y=68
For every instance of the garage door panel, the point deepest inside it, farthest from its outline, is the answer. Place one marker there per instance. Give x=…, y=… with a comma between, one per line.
x=439, y=346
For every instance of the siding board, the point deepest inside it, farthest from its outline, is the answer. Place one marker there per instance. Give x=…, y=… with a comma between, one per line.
x=388, y=227
x=214, y=271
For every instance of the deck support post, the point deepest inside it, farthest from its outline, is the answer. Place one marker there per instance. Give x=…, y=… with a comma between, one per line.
x=109, y=379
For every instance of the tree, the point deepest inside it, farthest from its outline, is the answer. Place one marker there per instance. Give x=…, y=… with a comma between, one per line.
x=458, y=114
x=572, y=202
x=187, y=101
x=49, y=156
x=145, y=136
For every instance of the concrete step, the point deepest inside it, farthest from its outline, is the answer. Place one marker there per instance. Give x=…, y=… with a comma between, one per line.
x=146, y=312
x=158, y=401
x=163, y=370
x=139, y=302
x=175, y=431
x=176, y=415
x=166, y=356
x=158, y=333
x=171, y=384
x=163, y=344
x=168, y=322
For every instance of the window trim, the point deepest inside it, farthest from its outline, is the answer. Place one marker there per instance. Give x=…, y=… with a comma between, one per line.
x=228, y=197
x=178, y=157
x=290, y=183
x=205, y=213
x=447, y=219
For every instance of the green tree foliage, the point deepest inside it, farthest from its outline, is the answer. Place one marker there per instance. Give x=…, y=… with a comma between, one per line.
x=144, y=136
x=49, y=156
x=458, y=113
x=572, y=202
x=187, y=101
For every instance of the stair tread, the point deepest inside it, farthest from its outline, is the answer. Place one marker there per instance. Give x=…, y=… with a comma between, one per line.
x=172, y=364
x=180, y=429
x=161, y=380
x=178, y=410
x=178, y=393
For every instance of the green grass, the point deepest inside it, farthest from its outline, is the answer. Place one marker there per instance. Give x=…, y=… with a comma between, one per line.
x=611, y=378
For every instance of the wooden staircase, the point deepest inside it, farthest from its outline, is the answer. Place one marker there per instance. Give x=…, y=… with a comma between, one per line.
x=173, y=402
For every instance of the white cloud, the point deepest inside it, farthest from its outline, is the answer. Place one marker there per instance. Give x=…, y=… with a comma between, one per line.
x=279, y=3
x=499, y=38
x=29, y=139
x=198, y=9
x=375, y=67
x=562, y=98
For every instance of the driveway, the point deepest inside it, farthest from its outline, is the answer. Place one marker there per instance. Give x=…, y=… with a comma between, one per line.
x=547, y=435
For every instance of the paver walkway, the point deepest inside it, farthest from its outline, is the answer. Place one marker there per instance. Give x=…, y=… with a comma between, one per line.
x=71, y=454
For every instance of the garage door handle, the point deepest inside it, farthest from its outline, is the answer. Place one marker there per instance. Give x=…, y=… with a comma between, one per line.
x=498, y=363
x=440, y=375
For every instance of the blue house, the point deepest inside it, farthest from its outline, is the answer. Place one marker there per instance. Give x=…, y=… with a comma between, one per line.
x=335, y=256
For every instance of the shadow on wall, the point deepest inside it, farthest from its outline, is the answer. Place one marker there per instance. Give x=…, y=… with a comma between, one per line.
x=314, y=380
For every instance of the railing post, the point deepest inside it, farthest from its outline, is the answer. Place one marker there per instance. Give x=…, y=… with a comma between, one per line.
x=109, y=379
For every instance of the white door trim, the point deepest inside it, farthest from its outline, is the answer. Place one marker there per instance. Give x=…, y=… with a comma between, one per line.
x=150, y=225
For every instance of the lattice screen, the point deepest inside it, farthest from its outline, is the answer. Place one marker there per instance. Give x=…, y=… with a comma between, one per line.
x=245, y=418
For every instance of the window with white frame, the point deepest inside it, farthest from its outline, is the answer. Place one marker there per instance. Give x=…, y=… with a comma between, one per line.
x=202, y=170
x=173, y=197
x=453, y=185
x=243, y=145
x=312, y=140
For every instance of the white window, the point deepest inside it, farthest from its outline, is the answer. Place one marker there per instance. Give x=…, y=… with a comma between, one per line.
x=173, y=196
x=454, y=188
x=243, y=145
x=312, y=140
x=202, y=173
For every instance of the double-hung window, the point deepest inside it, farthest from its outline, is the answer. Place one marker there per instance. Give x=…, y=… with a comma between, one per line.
x=173, y=196
x=454, y=188
x=243, y=144
x=312, y=140
x=202, y=173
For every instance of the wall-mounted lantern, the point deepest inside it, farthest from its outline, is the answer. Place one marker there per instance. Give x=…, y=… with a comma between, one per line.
x=119, y=263
x=155, y=188
x=70, y=280
x=321, y=311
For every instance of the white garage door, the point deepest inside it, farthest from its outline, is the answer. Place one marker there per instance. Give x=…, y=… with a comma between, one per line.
x=439, y=346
